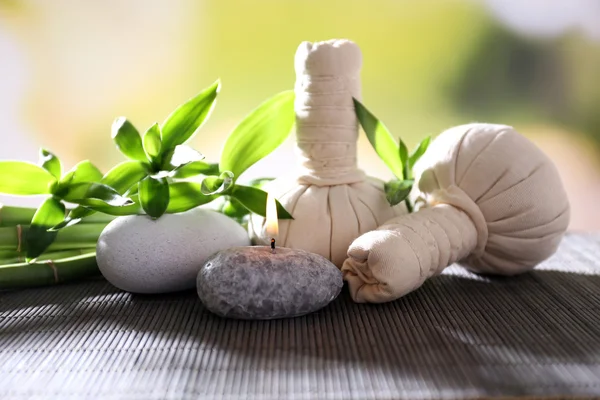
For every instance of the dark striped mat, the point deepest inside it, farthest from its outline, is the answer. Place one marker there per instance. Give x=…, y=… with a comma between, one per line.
x=460, y=336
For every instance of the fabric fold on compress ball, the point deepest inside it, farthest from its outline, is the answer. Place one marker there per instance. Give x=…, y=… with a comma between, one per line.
x=483, y=183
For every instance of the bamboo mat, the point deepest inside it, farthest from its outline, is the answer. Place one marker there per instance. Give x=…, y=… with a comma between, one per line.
x=460, y=336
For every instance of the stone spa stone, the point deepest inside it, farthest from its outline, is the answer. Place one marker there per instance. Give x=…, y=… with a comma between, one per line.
x=141, y=255
x=254, y=283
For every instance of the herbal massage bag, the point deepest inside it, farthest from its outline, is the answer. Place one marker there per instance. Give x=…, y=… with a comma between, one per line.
x=331, y=200
x=489, y=199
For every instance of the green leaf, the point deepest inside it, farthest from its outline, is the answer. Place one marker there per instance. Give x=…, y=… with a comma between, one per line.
x=121, y=178
x=260, y=182
x=403, y=154
x=396, y=191
x=255, y=200
x=419, y=151
x=154, y=196
x=261, y=132
x=134, y=189
x=181, y=125
x=49, y=214
x=234, y=209
x=66, y=223
x=380, y=138
x=50, y=163
x=125, y=175
x=133, y=209
x=84, y=171
x=23, y=178
x=179, y=156
x=71, y=220
x=128, y=140
x=185, y=196
x=152, y=142
x=196, y=168
x=217, y=184
x=91, y=193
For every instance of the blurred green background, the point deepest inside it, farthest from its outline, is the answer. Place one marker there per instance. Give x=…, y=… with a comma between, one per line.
x=69, y=67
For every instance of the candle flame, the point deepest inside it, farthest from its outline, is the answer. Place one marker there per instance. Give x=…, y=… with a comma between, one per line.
x=272, y=224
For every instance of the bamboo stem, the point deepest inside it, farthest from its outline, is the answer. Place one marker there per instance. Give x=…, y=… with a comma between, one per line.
x=8, y=254
x=15, y=257
x=48, y=272
x=408, y=204
x=72, y=237
x=13, y=216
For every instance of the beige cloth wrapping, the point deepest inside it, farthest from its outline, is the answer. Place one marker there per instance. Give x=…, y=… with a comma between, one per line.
x=332, y=201
x=488, y=198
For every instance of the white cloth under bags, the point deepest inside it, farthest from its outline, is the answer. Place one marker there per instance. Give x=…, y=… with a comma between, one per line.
x=487, y=198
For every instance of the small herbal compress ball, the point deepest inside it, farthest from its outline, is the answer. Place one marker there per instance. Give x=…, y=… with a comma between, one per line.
x=488, y=198
x=331, y=200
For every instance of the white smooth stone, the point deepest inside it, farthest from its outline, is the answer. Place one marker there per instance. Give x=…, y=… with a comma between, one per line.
x=141, y=255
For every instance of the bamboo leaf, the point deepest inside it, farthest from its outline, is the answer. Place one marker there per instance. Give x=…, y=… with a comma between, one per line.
x=91, y=193
x=24, y=179
x=261, y=132
x=180, y=156
x=255, y=200
x=217, y=184
x=38, y=238
x=50, y=163
x=234, y=209
x=196, y=168
x=70, y=220
x=133, y=209
x=396, y=191
x=84, y=171
x=152, y=142
x=184, y=196
x=183, y=123
x=403, y=154
x=122, y=178
x=419, y=151
x=154, y=196
x=380, y=138
x=128, y=139
x=125, y=175
x=260, y=182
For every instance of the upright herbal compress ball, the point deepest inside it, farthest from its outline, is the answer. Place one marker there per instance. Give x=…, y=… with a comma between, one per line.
x=331, y=200
x=489, y=199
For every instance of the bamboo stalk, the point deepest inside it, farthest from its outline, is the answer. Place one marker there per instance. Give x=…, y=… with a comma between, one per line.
x=48, y=272
x=72, y=237
x=13, y=216
x=8, y=254
x=15, y=257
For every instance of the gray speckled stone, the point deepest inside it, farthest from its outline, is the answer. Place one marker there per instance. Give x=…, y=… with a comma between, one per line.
x=253, y=283
x=141, y=255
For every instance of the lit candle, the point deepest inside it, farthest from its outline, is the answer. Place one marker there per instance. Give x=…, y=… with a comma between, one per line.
x=255, y=282
x=271, y=220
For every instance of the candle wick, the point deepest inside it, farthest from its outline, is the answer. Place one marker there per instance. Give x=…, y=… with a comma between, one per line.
x=272, y=245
